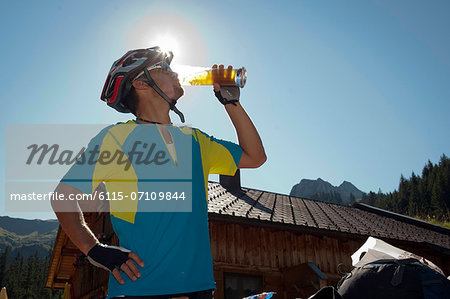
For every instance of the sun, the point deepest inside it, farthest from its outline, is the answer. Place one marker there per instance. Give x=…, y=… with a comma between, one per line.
x=167, y=43
x=170, y=32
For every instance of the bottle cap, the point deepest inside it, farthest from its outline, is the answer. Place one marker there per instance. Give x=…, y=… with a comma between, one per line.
x=241, y=77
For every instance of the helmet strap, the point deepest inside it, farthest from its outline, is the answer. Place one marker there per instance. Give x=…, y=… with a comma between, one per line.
x=171, y=102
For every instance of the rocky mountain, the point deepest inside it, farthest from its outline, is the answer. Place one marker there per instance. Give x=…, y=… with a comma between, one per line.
x=27, y=236
x=319, y=189
x=346, y=189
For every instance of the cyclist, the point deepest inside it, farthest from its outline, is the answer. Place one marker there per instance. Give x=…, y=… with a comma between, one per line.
x=166, y=253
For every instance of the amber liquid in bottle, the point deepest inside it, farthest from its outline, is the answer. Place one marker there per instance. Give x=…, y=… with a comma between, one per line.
x=234, y=77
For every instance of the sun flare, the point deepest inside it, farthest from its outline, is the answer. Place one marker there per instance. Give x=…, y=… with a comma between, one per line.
x=167, y=43
x=170, y=32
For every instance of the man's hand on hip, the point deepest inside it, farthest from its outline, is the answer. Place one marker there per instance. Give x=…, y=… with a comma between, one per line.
x=113, y=258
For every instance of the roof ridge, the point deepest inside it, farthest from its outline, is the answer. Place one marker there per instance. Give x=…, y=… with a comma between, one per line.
x=292, y=210
x=403, y=218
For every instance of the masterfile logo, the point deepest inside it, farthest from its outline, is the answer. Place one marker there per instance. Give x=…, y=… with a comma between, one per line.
x=121, y=168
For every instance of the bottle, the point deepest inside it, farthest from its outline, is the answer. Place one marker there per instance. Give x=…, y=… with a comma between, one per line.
x=234, y=77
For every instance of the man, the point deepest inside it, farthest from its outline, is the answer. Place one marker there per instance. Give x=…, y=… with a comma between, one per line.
x=163, y=253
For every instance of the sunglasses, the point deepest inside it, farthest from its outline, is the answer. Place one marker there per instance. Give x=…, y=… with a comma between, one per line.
x=162, y=65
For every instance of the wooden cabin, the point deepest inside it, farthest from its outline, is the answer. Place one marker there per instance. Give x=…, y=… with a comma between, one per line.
x=264, y=241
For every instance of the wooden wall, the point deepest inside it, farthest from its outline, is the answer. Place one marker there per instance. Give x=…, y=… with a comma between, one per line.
x=269, y=252
x=272, y=252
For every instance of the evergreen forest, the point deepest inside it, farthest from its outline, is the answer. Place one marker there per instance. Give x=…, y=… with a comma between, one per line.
x=425, y=196
x=25, y=278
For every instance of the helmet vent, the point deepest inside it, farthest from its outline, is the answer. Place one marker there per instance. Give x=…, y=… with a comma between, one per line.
x=128, y=61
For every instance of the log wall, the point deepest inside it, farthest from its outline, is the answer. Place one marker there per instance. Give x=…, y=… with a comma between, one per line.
x=270, y=252
x=246, y=249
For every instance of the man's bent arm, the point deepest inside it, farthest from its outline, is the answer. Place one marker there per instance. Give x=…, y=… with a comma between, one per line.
x=253, y=154
x=72, y=222
x=76, y=228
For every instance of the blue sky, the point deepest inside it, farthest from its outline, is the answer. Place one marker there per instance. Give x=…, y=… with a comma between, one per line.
x=354, y=90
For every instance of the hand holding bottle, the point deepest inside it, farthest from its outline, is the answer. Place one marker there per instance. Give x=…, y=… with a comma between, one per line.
x=225, y=94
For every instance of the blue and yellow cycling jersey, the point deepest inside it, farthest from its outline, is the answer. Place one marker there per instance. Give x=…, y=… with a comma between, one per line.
x=139, y=164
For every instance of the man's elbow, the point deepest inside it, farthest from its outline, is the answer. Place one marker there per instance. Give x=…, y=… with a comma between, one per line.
x=253, y=160
x=262, y=159
x=259, y=160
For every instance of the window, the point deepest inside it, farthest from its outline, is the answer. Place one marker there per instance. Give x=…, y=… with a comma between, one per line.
x=242, y=285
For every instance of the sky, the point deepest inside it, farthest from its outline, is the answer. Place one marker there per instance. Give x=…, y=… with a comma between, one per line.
x=341, y=90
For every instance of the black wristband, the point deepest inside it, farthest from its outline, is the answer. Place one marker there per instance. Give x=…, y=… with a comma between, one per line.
x=222, y=100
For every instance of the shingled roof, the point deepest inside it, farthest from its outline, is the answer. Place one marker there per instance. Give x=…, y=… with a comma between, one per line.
x=251, y=205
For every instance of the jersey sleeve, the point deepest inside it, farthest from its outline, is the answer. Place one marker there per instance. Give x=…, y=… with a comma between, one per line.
x=220, y=156
x=87, y=173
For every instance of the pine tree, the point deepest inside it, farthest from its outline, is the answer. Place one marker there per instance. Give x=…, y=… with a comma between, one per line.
x=14, y=277
x=437, y=195
x=371, y=199
x=4, y=263
x=425, y=191
x=403, y=196
x=413, y=201
x=390, y=201
x=33, y=276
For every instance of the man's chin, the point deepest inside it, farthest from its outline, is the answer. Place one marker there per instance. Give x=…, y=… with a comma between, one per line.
x=179, y=92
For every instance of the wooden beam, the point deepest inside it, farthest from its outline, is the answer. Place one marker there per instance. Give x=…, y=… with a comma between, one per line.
x=69, y=251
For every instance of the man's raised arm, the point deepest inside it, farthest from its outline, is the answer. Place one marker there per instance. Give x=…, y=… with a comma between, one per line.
x=253, y=154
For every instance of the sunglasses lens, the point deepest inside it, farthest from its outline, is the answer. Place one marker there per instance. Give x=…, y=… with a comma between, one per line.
x=160, y=65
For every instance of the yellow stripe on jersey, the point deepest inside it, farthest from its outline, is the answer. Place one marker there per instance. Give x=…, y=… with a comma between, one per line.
x=186, y=130
x=216, y=158
x=115, y=177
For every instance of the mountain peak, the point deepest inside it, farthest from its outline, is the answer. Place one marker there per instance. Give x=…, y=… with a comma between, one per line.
x=309, y=188
x=346, y=183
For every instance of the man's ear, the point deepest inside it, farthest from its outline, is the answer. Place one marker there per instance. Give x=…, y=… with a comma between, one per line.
x=140, y=85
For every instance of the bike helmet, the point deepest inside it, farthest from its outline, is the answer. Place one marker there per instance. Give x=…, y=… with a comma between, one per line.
x=124, y=70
